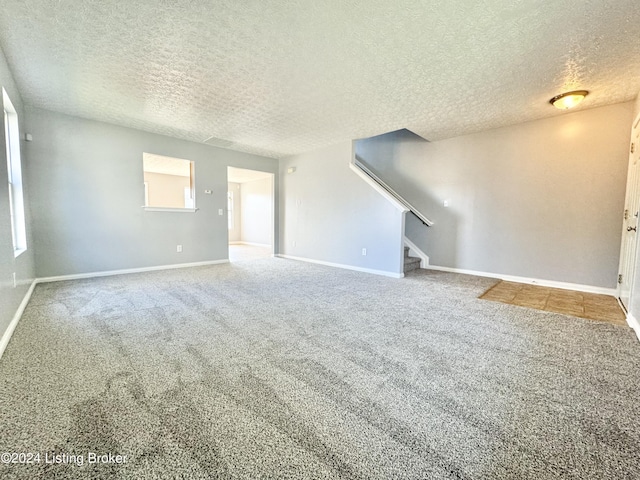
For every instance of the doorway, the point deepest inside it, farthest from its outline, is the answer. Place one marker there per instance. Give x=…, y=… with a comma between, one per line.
x=628, y=250
x=250, y=213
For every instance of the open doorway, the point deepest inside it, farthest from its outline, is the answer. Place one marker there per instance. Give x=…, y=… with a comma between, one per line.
x=250, y=212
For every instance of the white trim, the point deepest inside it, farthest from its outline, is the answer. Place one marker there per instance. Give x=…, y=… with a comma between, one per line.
x=108, y=273
x=378, y=188
x=532, y=281
x=633, y=323
x=253, y=244
x=6, y=336
x=340, y=265
x=164, y=209
x=413, y=248
x=400, y=238
x=357, y=163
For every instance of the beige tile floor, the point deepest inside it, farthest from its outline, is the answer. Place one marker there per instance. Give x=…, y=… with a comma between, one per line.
x=592, y=306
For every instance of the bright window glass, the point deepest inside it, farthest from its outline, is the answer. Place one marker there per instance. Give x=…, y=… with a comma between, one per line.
x=14, y=171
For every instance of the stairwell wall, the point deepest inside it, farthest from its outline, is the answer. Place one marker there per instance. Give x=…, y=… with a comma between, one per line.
x=540, y=200
x=329, y=214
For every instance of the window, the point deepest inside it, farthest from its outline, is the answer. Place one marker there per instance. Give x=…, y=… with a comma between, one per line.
x=14, y=170
x=168, y=183
x=230, y=209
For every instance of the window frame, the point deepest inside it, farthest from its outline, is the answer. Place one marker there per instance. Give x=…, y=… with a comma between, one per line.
x=192, y=181
x=14, y=176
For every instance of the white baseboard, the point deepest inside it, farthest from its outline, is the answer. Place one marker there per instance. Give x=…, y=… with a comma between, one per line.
x=108, y=273
x=633, y=323
x=413, y=248
x=346, y=267
x=6, y=336
x=531, y=281
x=16, y=318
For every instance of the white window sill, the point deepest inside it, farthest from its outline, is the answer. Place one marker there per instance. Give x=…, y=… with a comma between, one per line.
x=164, y=209
x=18, y=252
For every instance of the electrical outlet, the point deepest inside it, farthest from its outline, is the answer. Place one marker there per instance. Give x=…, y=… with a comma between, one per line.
x=15, y=284
x=294, y=243
x=179, y=248
x=364, y=252
x=220, y=211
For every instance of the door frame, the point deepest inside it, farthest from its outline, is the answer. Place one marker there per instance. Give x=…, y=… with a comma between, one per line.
x=629, y=269
x=273, y=227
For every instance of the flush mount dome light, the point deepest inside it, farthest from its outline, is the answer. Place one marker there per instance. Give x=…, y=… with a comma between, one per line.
x=569, y=99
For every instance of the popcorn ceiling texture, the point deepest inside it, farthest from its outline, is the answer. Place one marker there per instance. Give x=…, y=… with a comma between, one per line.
x=279, y=78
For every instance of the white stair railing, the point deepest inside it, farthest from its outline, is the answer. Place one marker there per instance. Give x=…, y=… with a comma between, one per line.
x=357, y=162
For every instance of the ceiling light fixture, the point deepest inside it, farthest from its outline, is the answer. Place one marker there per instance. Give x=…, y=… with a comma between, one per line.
x=569, y=99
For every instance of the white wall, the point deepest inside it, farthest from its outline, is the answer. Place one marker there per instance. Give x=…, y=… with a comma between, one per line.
x=236, y=231
x=87, y=180
x=634, y=307
x=331, y=214
x=257, y=211
x=22, y=266
x=542, y=199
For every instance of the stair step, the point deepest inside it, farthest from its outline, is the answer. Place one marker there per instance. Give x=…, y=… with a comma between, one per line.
x=411, y=263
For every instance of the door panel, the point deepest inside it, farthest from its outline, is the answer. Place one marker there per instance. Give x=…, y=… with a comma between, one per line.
x=630, y=219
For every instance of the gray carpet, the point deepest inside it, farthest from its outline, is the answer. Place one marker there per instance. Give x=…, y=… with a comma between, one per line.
x=280, y=369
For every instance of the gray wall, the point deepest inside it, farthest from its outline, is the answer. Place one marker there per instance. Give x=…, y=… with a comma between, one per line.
x=542, y=199
x=87, y=194
x=332, y=214
x=11, y=297
x=256, y=207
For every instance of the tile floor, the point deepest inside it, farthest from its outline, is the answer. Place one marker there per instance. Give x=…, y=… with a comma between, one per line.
x=579, y=304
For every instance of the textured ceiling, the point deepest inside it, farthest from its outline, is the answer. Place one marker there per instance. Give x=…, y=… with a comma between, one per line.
x=277, y=78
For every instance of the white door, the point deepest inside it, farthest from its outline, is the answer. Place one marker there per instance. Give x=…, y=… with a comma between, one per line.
x=630, y=222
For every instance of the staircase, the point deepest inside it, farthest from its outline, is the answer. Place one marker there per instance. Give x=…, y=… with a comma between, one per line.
x=410, y=263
